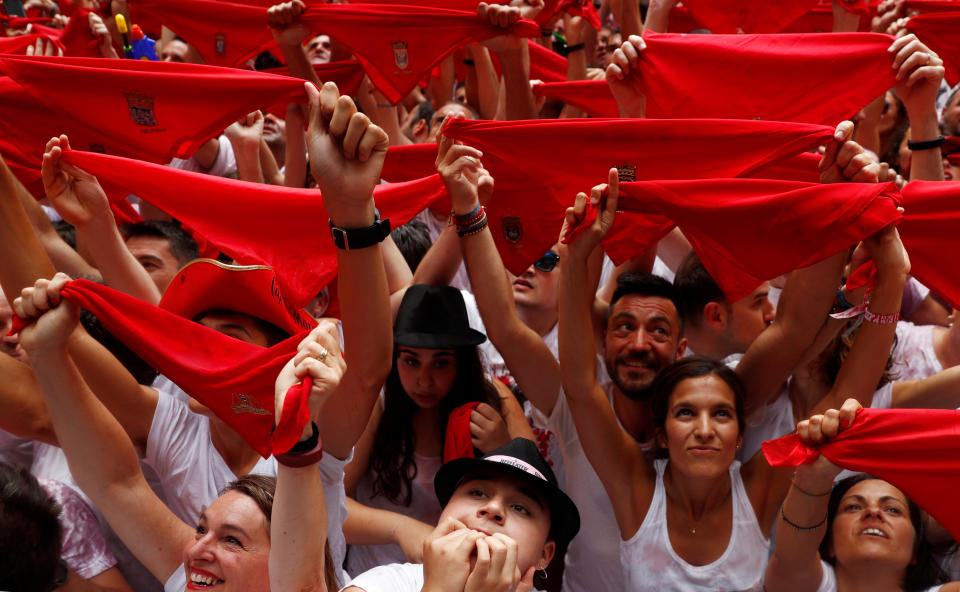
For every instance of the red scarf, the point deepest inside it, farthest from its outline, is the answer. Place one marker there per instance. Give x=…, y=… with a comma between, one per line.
x=593, y=97
x=77, y=39
x=397, y=44
x=233, y=378
x=18, y=45
x=406, y=163
x=813, y=78
x=938, y=30
x=224, y=34
x=917, y=450
x=458, y=443
x=149, y=110
x=538, y=175
x=280, y=227
x=346, y=74
x=747, y=231
x=929, y=227
x=747, y=16
x=546, y=64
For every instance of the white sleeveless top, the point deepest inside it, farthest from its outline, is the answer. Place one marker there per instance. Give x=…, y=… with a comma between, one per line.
x=650, y=563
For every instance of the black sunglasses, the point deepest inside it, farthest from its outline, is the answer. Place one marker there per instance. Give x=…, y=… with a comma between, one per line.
x=547, y=262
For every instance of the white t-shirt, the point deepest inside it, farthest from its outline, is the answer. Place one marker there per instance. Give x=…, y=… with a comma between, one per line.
x=192, y=472
x=914, y=357
x=593, y=557
x=461, y=280
x=224, y=165
x=424, y=507
x=396, y=577
x=650, y=563
x=331, y=471
x=769, y=423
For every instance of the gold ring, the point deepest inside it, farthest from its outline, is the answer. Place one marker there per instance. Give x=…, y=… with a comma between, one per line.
x=323, y=354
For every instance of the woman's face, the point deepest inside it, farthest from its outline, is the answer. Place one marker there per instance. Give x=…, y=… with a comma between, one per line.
x=873, y=522
x=701, y=431
x=427, y=375
x=231, y=549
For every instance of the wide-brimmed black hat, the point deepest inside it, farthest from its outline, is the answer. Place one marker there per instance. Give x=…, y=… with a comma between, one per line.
x=434, y=317
x=519, y=458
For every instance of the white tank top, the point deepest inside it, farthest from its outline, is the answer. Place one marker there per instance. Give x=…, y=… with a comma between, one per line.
x=650, y=563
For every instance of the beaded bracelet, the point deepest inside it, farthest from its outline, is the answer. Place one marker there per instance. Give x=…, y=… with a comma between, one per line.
x=474, y=228
x=801, y=528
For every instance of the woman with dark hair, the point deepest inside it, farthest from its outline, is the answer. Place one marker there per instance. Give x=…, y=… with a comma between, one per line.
x=862, y=534
x=436, y=370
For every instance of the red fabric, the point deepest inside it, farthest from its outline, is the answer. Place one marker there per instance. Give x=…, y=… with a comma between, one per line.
x=939, y=32
x=924, y=6
x=538, y=175
x=929, y=228
x=581, y=8
x=117, y=100
x=224, y=34
x=280, y=227
x=747, y=16
x=347, y=74
x=593, y=97
x=406, y=163
x=813, y=78
x=917, y=450
x=17, y=45
x=77, y=39
x=294, y=417
x=750, y=230
x=398, y=45
x=546, y=64
x=458, y=442
x=233, y=378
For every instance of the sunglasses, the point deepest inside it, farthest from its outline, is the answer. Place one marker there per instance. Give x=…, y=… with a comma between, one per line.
x=547, y=262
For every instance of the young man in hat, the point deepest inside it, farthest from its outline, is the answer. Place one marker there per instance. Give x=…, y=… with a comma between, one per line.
x=503, y=518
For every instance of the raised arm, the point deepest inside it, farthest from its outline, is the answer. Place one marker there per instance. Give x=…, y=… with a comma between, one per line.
x=623, y=78
x=795, y=565
x=289, y=32
x=245, y=135
x=78, y=197
x=101, y=457
x=919, y=73
x=514, y=57
x=529, y=359
x=809, y=291
x=298, y=525
x=346, y=155
x=626, y=475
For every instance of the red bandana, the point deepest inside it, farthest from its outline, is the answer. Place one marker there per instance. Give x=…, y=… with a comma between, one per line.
x=747, y=16
x=18, y=45
x=346, y=74
x=925, y=6
x=747, y=231
x=233, y=378
x=917, y=450
x=149, y=110
x=929, y=228
x=813, y=78
x=458, y=443
x=527, y=211
x=224, y=34
x=546, y=64
x=406, y=163
x=77, y=39
x=399, y=44
x=291, y=235
x=939, y=31
x=593, y=97
x=581, y=8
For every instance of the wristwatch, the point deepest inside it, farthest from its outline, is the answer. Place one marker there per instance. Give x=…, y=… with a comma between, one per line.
x=349, y=239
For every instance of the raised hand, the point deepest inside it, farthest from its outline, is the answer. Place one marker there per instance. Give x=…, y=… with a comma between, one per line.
x=488, y=431
x=285, y=23
x=52, y=319
x=74, y=193
x=463, y=174
x=318, y=356
x=623, y=77
x=919, y=73
x=346, y=155
x=844, y=160
x=248, y=128
x=588, y=235
x=502, y=16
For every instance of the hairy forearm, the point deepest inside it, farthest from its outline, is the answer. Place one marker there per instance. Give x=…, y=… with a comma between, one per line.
x=119, y=268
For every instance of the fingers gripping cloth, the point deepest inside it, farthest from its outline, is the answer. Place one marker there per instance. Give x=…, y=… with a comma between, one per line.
x=939, y=32
x=917, y=450
x=233, y=378
x=458, y=442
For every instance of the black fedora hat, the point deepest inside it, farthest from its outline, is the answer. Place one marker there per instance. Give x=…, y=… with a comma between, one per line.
x=434, y=317
x=519, y=458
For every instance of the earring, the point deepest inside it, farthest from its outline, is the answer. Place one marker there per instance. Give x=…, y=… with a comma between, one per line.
x=543, y=573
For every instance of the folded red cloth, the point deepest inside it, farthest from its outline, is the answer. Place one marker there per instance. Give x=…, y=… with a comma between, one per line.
x=917, y=450
x=938, y=30
x=233, y=378
x=399, y=44
x=747, y=16
x=280, y=227
x=458, y=443
x=931, y=216
x=146, y=109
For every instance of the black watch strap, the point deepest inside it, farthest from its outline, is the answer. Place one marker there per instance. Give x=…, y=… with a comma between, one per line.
x=349, y=239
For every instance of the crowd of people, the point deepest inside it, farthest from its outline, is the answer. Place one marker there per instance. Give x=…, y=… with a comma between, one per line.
x=506, y=374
